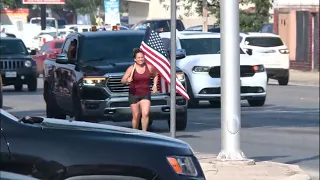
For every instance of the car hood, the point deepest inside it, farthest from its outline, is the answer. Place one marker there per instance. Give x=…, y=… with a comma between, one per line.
x=14, y=56
x=111, y=132
x=214, y=60
x=102, y=68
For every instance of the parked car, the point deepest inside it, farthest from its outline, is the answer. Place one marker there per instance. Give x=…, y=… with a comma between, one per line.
x=1, y=95
x=17, y=66
x=63, y=150
x=160, y=25
x=48, y=50
x=85, y=83
x=202, y=68
x=273, y=52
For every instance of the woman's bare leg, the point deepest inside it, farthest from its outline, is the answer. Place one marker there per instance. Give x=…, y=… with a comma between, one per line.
x=135, y=109
x=145, y=109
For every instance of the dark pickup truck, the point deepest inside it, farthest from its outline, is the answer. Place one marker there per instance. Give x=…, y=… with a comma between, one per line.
x=16, y=65
x=84, y=80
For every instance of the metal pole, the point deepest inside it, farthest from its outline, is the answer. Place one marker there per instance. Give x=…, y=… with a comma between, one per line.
x=173, y=70
x=43, y=16
x=57, y=30
x=230, y=82
x=205, y=15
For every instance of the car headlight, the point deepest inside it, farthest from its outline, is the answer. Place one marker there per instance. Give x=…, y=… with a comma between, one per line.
x=180, y=76
x=200, y=69
x=94, y=80
x=27, y=63
x=258, y=68
x=182, y=165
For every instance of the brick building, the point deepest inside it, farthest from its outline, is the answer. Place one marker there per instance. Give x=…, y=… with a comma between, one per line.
x=297, y=22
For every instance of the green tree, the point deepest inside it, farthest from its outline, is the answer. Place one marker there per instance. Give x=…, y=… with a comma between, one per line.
x=249, y=21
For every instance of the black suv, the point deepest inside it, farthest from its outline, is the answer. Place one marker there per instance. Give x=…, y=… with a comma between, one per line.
x=85, y=82
x=160, y=25
x=16, y=65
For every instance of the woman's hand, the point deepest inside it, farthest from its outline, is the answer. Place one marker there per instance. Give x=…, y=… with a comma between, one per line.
x=129, y=80
x=154, y=89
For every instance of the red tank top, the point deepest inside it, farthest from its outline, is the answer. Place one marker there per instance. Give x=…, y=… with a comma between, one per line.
x=140, y=85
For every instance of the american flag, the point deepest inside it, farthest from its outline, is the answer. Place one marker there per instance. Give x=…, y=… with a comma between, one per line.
x=155, y=54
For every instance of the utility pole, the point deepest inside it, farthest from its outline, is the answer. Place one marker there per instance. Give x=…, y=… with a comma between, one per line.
x=230, y=82
x=173, y=69
x=205, y=15
x=43, y=16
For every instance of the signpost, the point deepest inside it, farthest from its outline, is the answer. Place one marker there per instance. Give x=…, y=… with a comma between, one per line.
x=173, y=70
x=230, y=78
x=112, y=12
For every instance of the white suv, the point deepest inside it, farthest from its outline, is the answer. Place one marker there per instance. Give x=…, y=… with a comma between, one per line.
x=202, y=69
x=272, y=51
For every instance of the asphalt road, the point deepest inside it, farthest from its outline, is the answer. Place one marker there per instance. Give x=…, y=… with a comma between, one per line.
x=285, y=130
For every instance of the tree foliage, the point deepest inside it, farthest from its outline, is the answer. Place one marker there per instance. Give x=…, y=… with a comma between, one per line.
x=249, y=21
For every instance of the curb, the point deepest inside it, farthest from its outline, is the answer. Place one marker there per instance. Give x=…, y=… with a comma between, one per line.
x=294, y=172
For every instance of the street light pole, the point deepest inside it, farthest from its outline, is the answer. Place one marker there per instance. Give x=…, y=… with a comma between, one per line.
x=173, y=69
x=230, y=82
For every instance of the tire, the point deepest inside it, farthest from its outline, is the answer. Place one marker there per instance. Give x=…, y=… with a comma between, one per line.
x=77, y=109
x=192, y=103
x=257, y=102
x=52, y=109
x=33, y=84
x=283, y=81
x=181, y=121
x=18, y=87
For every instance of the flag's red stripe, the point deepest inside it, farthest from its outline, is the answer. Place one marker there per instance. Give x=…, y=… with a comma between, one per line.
x=149, y=53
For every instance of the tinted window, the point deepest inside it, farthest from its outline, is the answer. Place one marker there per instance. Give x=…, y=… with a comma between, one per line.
x=112, y=48
x=12, y=47
x=202, y=46
x=264, y=41
x=58, y=45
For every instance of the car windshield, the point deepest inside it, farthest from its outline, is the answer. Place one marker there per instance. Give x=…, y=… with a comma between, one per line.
x=58, y=45
x=202, y=46
x=12, y=47
x=112, y=48
x=264, y=41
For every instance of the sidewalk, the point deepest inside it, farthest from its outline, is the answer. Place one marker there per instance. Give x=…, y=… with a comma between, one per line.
x=300, y=77
x=248, y=170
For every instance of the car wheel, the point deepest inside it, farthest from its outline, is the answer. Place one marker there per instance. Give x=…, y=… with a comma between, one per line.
x=283, y=81
x=181, y=121
x=192, y=103
x=33, y=84
x=77, y=110
x=215, y=104
x=52, y=109
x=257, y=102
x=18, y=87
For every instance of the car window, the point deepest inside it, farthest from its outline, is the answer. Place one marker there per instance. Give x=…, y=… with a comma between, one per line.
x=66, y=46
x=202, y=46
x=12, y=47
x=112, y=48
x=180, y=26
x=264, y=41
x=45, y=47
x=58, y=45
x=164, y=25
x=166, y=43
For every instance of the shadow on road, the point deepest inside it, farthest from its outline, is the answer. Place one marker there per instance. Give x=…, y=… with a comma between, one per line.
x=304, y=159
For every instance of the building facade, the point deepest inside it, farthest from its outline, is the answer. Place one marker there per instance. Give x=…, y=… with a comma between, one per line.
x=297, y=22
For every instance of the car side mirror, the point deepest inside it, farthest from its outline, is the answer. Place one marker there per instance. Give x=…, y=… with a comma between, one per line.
x=33, y=52
x=180, y=54
x=62, y=59
x=249, y=51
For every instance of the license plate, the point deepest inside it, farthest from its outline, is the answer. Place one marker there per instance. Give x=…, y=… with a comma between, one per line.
x=11, y=74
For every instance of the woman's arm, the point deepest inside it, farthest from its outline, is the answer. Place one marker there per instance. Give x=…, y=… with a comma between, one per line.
x=154, y=75
x=125, y=77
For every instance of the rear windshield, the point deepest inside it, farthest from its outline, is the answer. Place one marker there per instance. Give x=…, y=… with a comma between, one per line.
x=58, y=45
x=264, y=41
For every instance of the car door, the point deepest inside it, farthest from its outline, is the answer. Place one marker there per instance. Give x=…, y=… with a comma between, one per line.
x=5, y=157
x=65, y=74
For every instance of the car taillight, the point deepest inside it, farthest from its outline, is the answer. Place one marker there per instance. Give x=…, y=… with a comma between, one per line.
x=284, y=51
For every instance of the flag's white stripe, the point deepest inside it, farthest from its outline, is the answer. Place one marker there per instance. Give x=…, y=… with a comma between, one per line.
x=156, y=52
x=163, y=85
